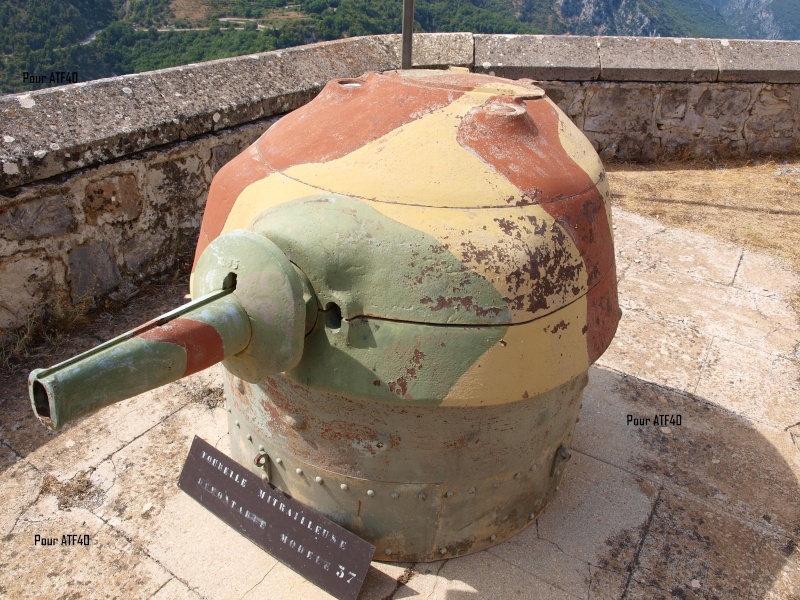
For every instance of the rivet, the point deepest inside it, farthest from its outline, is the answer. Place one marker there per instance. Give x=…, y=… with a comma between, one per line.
x=492, y=538
x=279, y=461
x=265, y=477
x=496, y=484
x=344, y=487
x=388, y=551
x=261, y=447
x=229, y=409
x=395, y=495
x=531, y=517
x=249, y=438
x=517, y=475
x=471, y=490
x=443, y=551
x=236, y=423
x=372, y=493
x=299, y=471
x=240, y=386
x=449, y=493
x=319, y=479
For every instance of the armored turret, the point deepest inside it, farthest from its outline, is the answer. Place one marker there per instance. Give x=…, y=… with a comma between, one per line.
x=405, y=281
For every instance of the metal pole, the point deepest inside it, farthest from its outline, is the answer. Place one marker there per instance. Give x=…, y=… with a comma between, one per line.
x=408, y=31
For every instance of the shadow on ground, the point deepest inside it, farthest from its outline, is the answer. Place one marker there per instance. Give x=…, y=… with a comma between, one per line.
x=705, y=509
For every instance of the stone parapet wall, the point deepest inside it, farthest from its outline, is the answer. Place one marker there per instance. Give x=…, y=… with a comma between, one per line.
x=69, y=240
x=646, y=122
x=102, y=184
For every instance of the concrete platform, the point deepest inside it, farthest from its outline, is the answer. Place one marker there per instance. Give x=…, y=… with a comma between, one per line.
x=709, y=508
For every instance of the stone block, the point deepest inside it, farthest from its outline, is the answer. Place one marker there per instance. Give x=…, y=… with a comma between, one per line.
x=27, y=282
x=146, y=253
x=65, y=128
x=723, y=102
x=175, y=179
x=673, y=101
x=92, y=270
x=758, y=61
x=621, y=109
x=547, y=57
x=440, y=49
x=569, y=96
x=40, y=218
x=657, y=59
x=111, y=199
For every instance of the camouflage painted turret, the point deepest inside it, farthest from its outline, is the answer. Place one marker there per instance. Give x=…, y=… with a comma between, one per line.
x=406, y=281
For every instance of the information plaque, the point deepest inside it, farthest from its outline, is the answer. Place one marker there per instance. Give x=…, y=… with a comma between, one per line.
x=318, y=549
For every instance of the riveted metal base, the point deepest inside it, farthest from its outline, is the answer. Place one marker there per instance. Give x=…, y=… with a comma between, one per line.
x=420, y=483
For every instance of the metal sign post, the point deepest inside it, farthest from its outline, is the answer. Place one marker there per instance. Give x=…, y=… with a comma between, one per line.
x=408, y=31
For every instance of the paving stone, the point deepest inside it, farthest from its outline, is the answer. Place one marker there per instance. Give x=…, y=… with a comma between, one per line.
x=110, y=567
x=281, y=583
x=544, y=559
x=694, y=254
x=597, y=515
x=145, y=472
x=630, y=229
x=484, y=575
x=767, y=275
x=382, y=579
x=764, y=323
x=423, y=582
x=19, y=488
x=657, y=350
x=89, y=441
x=606, y=585
x=760, y=386
x=214, y=560
x=693, y=548
x=175, y=590
x=714, y=455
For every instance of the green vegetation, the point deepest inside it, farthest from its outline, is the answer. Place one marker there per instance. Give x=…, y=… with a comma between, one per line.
x=689, y=18
x=148, y=13
x=44, y=36
x=27, y=25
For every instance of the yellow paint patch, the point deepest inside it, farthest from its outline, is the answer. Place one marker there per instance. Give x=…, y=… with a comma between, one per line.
x=531, y=359
x=420, y=163
x=493, y=242
x=263, y=194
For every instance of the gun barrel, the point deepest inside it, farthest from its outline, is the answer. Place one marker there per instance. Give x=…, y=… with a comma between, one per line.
x=181, y=342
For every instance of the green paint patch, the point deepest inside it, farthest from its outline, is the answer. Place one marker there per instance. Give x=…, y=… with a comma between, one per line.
x=370, y=265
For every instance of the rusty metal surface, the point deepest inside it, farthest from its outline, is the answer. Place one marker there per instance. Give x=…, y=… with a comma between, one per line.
x=416, y=479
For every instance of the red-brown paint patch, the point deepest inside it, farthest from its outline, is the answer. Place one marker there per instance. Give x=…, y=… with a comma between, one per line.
x=346, y=115
x=602, y=315
x=202, y=343
x=229, y=182
x=525, y=148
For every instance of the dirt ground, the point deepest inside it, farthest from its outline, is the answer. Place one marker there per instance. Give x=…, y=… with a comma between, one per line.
x=191, y=10
x=719, y=200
